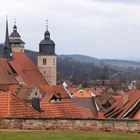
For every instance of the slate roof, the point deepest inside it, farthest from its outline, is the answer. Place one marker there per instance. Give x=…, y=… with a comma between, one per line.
x=87, y=103
x=47, y=42
x=1, y=49
x=16, y=41
x=15, y=36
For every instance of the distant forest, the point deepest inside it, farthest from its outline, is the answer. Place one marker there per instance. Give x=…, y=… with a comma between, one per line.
x=86, y=72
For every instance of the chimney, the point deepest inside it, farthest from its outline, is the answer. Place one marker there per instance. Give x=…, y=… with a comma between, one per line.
x=125, y=97
x=36, y=102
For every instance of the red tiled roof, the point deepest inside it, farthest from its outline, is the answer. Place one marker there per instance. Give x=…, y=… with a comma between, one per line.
x=116, y=97
x=11, y=88
x=60, y=89
x=64, y=110
x=27, y=70
x=57, y=90
x=4, y=87
x=82, y=94
x=73, y=89
x=48, y=97
x=10, y=105
x=95, y=91
x=6, y=74
x=4, y=104
x=87, y=92
x=119, y=110
x=137, y=115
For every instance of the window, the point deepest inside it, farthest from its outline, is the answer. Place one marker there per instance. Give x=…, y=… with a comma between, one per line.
x=44, y=61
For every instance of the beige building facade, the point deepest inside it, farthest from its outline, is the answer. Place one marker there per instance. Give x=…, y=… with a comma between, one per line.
x=17, y=48
x=47, y=65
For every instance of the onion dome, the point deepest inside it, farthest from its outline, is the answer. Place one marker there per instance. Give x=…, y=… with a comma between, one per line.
x=15, y=37
x=47, y=46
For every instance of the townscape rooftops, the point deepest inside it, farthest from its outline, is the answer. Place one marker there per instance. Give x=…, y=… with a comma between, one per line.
x=120, y=110
x=10, y=106
x=64, y=109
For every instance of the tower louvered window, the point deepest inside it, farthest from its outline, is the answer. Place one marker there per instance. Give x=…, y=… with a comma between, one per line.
x=44, y=61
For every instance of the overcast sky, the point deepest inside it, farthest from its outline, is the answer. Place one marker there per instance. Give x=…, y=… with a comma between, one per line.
x=98, y=28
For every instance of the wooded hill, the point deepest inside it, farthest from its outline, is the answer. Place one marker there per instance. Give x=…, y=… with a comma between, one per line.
x=85, y=69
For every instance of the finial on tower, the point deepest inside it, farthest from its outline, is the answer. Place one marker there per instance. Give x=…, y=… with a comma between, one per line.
x=15, y=27
x=46, y=24
x=14, y=21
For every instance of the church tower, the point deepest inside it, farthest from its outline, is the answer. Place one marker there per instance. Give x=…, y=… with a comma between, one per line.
x=7, y=51
x=47, y=58
x=16, y=43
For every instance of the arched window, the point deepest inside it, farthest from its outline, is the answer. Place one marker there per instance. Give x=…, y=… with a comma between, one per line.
x=44, y=61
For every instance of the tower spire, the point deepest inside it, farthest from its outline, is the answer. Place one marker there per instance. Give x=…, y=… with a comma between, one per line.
x=47, y=33
x=15, y=27
x=7, y=49
x=7, y=41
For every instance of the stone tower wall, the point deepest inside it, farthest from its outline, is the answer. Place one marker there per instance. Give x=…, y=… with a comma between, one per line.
x=48, y=70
